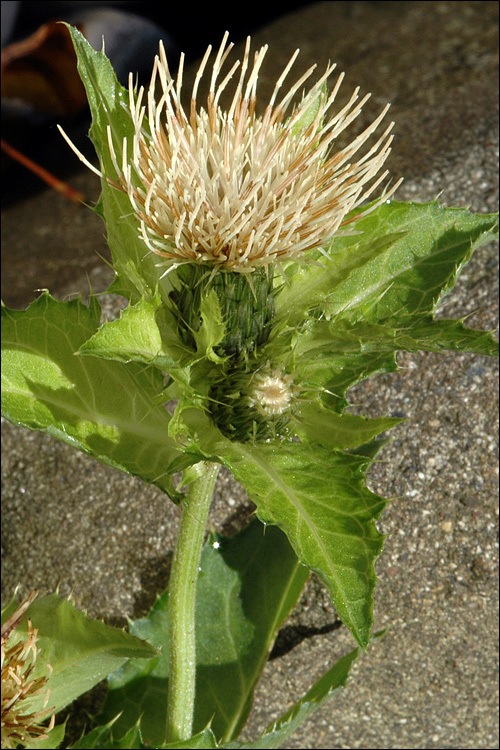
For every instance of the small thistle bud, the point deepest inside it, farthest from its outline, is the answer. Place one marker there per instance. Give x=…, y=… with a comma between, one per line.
x=19, y=724
x=271, y=393
x=253, y=405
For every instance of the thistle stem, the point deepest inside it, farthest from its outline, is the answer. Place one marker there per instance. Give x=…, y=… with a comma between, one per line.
x=181, y=603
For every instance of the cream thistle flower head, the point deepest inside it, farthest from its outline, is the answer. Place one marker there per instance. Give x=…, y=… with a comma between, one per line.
x=238, y=190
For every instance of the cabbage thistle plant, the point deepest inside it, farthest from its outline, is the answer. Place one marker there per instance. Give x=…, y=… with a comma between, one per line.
x=262, y=284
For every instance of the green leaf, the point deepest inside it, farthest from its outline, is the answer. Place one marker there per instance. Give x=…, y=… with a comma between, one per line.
x=80, y=651
x=135, y=266
x=318, y=498
x=102, y=738
x=278, y=732
x=334, y=373
x=246, y=588
x=317, y=423
x=134, y=336
x=250, y=584
x=428, y=334
x=405, y=259
x=416, y=272
x=311, y=286
x=54, y=739
x=106, y=409
x=141, y=334
x=212, y=329
x=334, y=355
x=202, y=741
x=421, y=333
x=96, y=738
x=139, y=691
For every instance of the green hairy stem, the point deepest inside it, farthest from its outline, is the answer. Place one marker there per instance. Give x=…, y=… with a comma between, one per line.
x=182, y=599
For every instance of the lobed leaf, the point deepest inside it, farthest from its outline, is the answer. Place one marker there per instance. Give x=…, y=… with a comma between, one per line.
x=105, y=408
x=420, y=333
x=317, y=496
x=278, y=733
x=316, y=423
x=405, y=258
x=143, y=333
x=80, y=651
x=310, y=286
x=201, y=741
x=136, y=271
x=334, y=355
x=102, y=738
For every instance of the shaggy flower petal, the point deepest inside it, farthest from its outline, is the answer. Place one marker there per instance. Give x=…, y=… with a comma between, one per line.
x=235, y=189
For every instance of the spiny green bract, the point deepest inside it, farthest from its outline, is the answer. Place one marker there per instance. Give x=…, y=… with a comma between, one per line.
x=256, y=404
x=250, y=397
x=246, y=302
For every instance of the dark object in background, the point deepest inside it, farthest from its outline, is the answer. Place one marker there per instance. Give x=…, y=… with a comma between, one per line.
x=44, y=88
x=41, y=84
x=191, y=28
x=39, y=75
